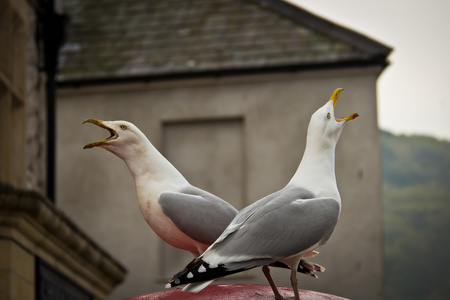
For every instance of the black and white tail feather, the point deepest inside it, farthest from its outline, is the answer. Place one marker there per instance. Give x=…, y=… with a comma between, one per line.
x=198, y=274
x=305, y=267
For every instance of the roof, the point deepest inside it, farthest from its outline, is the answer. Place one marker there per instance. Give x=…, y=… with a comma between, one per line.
x=136, y=39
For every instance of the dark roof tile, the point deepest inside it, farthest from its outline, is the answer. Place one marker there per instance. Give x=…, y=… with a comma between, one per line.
x=138, y=38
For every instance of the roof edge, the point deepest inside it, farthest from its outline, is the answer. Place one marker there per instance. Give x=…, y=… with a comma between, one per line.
x=300, y=15
x=220, y=73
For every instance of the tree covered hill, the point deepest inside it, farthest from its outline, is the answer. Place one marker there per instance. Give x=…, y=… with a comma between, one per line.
x=416, y=195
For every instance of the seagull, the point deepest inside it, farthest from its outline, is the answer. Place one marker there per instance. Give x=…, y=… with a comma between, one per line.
x=284, y=226
x=181, y=214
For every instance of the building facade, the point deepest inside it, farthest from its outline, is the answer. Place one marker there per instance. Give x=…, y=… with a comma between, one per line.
x=224, y=89
x=43, y=254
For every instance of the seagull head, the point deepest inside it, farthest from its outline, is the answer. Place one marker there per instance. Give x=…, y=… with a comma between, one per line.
x=125, y=138
x=324, y=126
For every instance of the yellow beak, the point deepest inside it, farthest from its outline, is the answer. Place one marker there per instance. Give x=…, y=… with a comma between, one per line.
x=100, y=123
x=334, y=98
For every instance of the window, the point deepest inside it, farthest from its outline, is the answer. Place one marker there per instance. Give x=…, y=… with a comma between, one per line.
x=53, y=285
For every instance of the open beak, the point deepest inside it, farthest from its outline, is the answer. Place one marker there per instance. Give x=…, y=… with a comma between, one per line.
x=334, y=98
x=100, y=123
x=348, y=118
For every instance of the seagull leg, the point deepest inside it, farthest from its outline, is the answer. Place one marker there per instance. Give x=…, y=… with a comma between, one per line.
x=266, y=272
x=294, y=283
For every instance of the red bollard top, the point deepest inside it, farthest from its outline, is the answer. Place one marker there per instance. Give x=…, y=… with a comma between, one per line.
x=234, y=292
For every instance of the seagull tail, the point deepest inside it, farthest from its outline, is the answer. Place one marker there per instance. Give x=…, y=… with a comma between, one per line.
x=305, y=267
x=195, y=275
x=197, y=286
x=312, y=267
x=200, y=272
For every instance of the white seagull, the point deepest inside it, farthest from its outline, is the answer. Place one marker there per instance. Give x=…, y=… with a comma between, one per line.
x=182, y=215
x=286, y=225
x=169, y=204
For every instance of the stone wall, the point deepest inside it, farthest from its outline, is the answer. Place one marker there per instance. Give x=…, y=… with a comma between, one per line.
x=35, y=129
x=43, y=254
x=32, y=230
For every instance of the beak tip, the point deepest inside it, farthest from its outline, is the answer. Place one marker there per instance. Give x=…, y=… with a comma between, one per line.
x=335, y=96
x=93, y=121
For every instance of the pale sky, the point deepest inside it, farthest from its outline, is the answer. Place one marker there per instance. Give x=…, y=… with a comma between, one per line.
x=412, y=90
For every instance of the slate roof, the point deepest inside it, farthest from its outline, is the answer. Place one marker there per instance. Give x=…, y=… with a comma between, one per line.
x=135, y=39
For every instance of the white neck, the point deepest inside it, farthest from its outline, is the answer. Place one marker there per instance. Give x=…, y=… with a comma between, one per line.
x=316, y=171
x=145, y=162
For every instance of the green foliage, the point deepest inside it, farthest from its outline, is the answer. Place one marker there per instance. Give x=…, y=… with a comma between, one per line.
x=416, y=194
x=414, y=160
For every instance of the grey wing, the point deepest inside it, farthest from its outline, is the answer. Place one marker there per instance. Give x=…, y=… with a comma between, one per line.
x=284, y=227
x=253, y=208
x=200, y=215
x=247, y=212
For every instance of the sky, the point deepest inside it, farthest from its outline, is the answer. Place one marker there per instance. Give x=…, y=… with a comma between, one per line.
x=413, y=90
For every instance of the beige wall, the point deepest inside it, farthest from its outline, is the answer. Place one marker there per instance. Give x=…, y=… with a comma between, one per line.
x=239, y=137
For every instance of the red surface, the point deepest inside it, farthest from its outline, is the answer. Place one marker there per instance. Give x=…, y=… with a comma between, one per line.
x=235, y=292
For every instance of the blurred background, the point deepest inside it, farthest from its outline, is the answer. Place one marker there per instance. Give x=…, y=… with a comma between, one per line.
x=412, y=113
x=224, y=89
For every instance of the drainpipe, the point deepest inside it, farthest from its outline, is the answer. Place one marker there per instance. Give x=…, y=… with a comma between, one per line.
x=53, y=28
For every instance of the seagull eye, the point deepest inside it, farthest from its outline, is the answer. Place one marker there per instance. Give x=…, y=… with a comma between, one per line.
x=328, y=116
x=123, y=127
